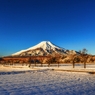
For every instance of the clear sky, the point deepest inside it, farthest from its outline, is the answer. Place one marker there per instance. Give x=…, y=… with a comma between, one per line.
x=67, y=23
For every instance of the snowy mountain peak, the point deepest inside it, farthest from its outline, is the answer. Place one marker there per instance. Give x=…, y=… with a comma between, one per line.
x=41, y=49
x=45, y=45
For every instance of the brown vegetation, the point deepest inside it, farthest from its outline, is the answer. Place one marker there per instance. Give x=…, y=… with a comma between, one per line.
x=82, y=57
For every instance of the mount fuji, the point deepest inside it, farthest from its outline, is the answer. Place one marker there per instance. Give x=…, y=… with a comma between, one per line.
x=44, y=48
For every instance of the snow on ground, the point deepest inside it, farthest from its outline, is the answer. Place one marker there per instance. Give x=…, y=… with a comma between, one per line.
x=13, y=68
x=47, y=82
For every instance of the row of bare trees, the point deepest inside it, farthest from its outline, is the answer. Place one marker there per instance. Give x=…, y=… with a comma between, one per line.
x=82, y=57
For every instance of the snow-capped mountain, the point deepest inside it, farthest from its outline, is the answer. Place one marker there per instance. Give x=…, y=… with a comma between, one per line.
x=44, y=48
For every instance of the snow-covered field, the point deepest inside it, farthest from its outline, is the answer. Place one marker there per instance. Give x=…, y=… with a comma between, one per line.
x=47, y=82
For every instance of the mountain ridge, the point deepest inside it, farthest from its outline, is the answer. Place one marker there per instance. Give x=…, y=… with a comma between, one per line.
x=43, y=48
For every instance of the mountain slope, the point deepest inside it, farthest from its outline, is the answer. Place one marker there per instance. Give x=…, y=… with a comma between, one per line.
x=44, y=48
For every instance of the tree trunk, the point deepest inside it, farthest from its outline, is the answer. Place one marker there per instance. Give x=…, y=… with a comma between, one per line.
x=58, y=64
x=41, y=64
x=73, y=65
x=29, y=64
x=35, y=63
x=84, y=65
x=48, y=64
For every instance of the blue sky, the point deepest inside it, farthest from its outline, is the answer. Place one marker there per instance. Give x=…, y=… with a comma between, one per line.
x=67, y=23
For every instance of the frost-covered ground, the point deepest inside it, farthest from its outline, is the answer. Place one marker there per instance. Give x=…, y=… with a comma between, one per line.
x=13, y=68
x=47, y=82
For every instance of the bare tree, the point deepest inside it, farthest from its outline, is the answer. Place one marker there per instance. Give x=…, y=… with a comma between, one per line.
x=76, y=59
x=73, y=59
x=84, y=56
x=0, y=59
x=52, y=60
x=29, y=61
